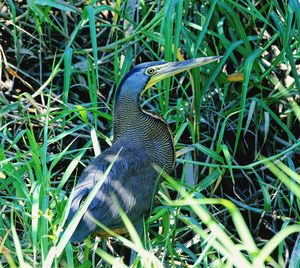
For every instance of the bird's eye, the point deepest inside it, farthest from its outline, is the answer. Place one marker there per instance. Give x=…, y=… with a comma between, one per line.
x=150, y=71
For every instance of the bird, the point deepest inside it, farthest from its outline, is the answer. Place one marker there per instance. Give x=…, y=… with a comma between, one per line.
x=142, y=141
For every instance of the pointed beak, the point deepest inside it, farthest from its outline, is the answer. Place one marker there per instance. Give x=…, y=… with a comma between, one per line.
x=169, y=69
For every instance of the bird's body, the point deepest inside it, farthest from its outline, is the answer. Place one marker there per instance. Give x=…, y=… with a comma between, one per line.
x=121, y=184
x=142, y=141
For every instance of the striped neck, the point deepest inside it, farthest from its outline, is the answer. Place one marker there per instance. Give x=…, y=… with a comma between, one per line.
x=149, y=132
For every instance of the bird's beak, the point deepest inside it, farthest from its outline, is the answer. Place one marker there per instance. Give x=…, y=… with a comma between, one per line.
x=168, y=69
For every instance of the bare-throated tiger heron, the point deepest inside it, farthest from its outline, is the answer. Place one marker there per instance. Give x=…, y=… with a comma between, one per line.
x=142, y=140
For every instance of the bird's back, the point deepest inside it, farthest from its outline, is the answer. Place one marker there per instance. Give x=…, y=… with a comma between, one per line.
x=131, y=182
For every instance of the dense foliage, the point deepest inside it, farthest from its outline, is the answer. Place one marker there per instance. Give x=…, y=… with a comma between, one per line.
x=234, y=197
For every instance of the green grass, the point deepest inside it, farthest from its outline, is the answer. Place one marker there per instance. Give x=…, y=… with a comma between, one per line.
x=233, y=199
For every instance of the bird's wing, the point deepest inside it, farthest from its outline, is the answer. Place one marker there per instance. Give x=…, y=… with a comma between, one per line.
x=130, y=184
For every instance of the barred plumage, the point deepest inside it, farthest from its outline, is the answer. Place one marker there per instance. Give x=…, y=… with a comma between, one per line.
x=142, y=140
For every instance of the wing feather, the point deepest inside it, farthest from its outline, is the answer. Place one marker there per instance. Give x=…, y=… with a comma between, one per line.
x=130, y=183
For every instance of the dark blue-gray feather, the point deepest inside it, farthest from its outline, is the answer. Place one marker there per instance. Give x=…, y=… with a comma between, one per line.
x=134, y=70
x=131, y=182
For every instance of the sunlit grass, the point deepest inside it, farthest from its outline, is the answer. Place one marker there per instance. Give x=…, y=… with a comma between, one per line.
x=233, y=199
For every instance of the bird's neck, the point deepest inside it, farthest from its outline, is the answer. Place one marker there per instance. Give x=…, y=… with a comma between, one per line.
x=149, y=132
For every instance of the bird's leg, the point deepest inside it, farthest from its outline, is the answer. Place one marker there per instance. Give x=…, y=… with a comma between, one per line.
x=139, y=229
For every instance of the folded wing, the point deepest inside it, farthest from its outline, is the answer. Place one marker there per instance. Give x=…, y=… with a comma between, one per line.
x=130, y=184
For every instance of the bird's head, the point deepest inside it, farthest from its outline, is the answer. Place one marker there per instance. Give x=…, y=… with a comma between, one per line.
x=144, y=75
